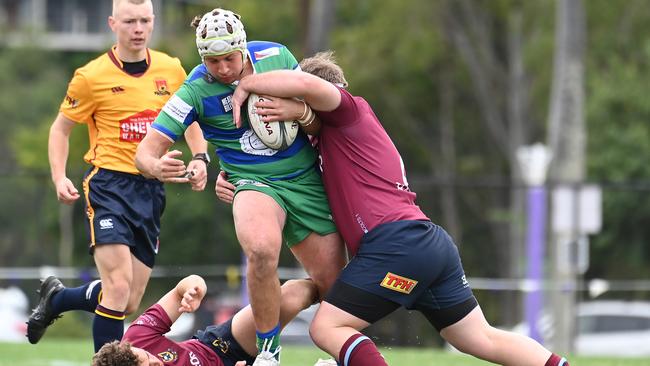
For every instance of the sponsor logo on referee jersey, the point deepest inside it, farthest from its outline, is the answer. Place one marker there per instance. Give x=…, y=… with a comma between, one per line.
x=135, y=127
x=273, y=51
x=168, y=356
x=161, y=87
x=398, y=283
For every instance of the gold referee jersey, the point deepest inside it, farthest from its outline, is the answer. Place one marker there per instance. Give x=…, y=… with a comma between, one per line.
x=119, y=107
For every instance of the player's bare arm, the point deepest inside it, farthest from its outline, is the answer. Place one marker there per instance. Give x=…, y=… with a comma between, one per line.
x=318, y=93
x=154, y=161
x=58, y=148
x=186, y=297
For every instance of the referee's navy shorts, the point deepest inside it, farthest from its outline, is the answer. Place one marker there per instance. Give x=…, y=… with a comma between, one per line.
x=414, y=264
x=124, y=208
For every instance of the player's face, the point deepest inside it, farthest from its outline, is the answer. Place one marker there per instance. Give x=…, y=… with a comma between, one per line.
x=145, y=358
x=226, y=68
x=132, y=25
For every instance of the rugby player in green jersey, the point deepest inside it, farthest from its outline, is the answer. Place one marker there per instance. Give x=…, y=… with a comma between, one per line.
x=279, y=194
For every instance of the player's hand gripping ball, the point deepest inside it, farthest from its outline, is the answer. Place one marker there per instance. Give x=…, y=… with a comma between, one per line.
x=276, y=135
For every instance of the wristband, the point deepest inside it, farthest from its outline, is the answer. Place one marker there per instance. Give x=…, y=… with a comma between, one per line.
x=305, y=121
x=204, y=157
x=305, y=111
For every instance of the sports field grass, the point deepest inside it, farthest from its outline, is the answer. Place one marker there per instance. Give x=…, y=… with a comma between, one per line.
x=78, y=353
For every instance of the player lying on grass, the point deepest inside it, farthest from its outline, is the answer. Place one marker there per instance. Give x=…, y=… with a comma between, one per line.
x=229, y=344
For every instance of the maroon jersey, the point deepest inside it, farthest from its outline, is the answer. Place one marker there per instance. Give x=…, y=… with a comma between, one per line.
x=147, y=332
x=363, y=172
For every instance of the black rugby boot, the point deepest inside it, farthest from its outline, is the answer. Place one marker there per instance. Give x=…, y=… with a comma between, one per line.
x=43, y=315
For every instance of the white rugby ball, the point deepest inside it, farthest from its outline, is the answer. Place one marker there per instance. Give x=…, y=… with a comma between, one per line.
x=276, y=135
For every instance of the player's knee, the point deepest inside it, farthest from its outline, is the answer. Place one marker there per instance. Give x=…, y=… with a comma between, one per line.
x=318, y=330
x=298, y=295
x=133, y=304
x=316, y=333
x=263, y=259
x=116, y=289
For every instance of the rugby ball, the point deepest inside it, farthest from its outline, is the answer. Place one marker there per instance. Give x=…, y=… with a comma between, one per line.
x=276, y=135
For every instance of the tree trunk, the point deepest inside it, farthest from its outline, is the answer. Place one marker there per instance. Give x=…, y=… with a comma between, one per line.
x=445, y=166
x=566, y=139
x=501, y=93
x=318, y=19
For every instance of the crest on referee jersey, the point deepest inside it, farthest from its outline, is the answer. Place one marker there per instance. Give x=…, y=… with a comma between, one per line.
x=161, y=87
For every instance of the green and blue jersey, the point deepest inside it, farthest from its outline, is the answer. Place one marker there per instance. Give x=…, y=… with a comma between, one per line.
x=241, y=153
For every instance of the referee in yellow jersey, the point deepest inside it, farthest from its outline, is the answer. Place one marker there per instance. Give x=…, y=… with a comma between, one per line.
x=117, y=95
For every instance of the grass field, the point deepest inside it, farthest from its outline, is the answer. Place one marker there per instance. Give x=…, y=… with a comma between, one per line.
x=78, y=353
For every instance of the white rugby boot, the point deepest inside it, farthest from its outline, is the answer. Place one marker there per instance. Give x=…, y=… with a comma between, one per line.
x=266, y=357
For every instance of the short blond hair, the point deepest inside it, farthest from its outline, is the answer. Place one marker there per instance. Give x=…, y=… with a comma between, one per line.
x=117, y=3
x=323, y=65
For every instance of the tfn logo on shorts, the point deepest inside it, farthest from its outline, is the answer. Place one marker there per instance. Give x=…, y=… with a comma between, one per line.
x=398, y=283
x=105, y=224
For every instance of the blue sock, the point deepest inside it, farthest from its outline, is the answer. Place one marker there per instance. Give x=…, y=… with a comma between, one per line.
x=84, y=298
x=272, y=340
x=108, y=326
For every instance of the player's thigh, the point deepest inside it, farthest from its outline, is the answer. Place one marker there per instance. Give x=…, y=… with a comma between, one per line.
x=469, y=334
x=113, y=262
x=141, y=275
x=332, y=326
x=330, y=316
x=323, y=257
x=259, y=220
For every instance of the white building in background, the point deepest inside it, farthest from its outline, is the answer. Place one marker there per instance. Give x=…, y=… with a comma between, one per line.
x=68, y=25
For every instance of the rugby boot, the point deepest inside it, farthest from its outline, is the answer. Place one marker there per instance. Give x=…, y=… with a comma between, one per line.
x=43, y=315
x=266, y=357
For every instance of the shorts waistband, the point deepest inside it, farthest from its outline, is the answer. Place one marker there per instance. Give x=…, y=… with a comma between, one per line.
x=138, y=177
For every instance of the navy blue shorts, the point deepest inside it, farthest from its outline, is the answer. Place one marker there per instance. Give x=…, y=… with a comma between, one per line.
x=414, y=264
x=220, y=339
x=124, y=208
